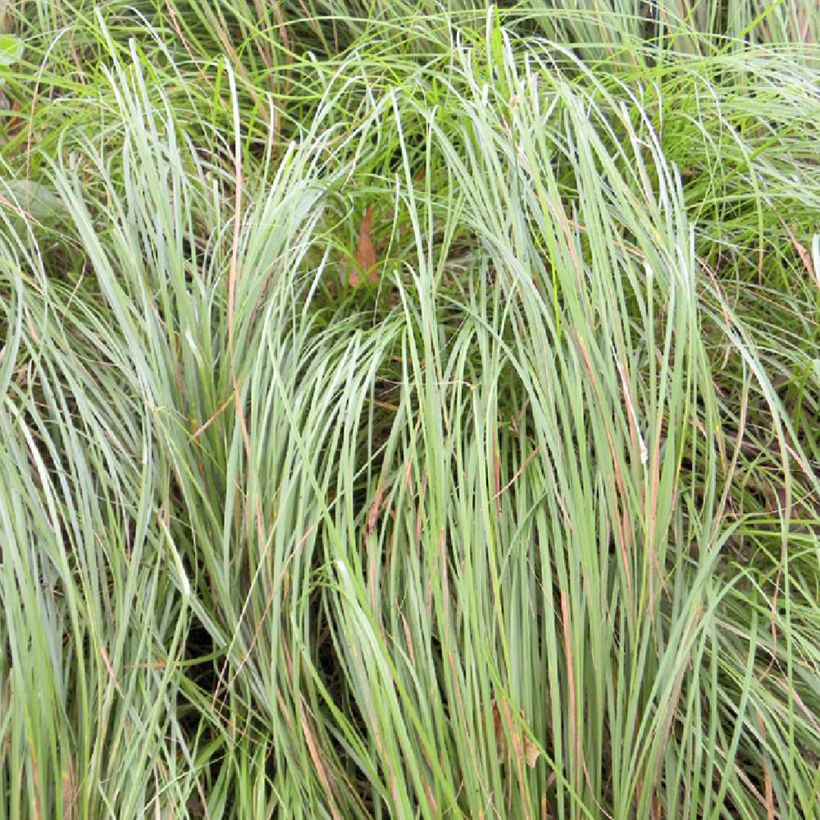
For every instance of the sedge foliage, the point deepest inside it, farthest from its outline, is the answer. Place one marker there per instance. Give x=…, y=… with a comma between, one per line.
x=526, y=526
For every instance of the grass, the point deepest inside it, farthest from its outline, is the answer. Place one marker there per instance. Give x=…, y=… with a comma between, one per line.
x=409, y=409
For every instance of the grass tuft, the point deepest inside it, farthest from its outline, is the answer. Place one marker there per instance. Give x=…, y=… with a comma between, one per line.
x=409, y=409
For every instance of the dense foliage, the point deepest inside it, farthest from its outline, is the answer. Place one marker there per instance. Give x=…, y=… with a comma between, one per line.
x=409, y=409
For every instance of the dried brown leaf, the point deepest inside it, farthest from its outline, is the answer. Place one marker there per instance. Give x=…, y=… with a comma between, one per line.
x=802, y=252
x=522, y=747
x=366, y=261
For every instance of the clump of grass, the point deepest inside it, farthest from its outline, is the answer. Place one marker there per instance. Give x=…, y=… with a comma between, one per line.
x=523, y=524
